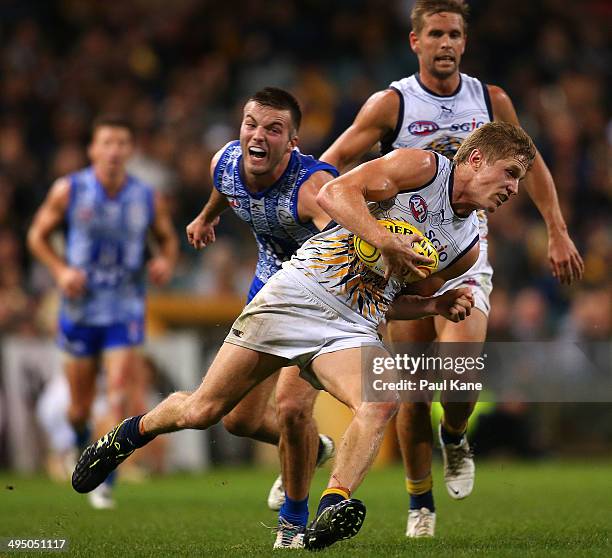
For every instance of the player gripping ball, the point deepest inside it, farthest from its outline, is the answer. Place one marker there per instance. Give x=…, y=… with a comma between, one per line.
x=371, y=257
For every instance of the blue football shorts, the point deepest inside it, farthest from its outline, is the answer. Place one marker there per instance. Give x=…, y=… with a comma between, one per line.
x=81, y=340
x=256, y=286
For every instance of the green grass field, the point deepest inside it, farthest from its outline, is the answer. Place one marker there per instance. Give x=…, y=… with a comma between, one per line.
x=545, y=509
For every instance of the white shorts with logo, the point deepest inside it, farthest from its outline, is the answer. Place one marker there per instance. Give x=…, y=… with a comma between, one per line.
x=291, y=318
x=478, y=278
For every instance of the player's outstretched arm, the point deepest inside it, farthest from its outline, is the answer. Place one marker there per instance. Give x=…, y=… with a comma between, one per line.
x=454, y=305
x=376, y=119
x=162, y=265
x=201, y=231
x=345, y=201
x=564, y=258
x=48, y=218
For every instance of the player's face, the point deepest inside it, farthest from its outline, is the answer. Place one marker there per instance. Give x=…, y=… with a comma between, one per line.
x=266, y=137
x=440, y=44
x=110, y=148
x=496, y=183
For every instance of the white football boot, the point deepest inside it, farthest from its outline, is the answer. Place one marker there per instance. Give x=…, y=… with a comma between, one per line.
x=421, y=523
x=101, y=498
x=276, y=497
x=289, y=535
x=459, y=468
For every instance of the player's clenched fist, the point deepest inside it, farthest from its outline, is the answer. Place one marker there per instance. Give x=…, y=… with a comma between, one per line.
x=455, y=305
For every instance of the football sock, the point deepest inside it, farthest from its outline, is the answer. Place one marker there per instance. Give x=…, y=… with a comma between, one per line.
x=294, y=511
x=421, y=495
x=332, y=496
x=111, y=479
x=131, y=432
x=83, y=435
x=449, y=438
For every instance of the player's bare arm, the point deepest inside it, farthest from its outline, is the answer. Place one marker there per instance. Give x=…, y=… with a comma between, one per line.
x=201, y=231
x=418, y=300
x=162, y=265
x=307, y=206
x=376, y=119
x=345, y=200
x=454, y=305
x=48, y=218
x=565, y=261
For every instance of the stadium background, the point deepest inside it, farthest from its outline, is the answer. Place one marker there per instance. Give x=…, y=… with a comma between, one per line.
x=182, y=71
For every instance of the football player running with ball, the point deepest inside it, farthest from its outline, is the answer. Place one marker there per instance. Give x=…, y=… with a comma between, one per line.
x=322, y=309
x=436, y=109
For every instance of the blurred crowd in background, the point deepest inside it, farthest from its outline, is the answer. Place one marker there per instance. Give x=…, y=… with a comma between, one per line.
x=182, y=70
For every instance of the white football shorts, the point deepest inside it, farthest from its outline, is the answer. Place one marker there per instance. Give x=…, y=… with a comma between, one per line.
x=479, y=279
x=290, y=318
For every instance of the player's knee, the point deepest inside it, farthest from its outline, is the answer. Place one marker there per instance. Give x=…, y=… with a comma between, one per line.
x=293, y=413
x=379, y=413
x=239, y=424
x=417, y=410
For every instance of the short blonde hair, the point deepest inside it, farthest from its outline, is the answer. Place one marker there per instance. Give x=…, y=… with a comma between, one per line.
x=498, y=140
x=424, y=8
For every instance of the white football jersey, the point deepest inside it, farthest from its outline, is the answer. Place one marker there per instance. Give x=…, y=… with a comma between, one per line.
x=329, y=258
x=440, y=123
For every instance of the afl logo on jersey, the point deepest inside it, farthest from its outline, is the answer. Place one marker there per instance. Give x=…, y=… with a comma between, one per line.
x=423, y=128
x=418, y=208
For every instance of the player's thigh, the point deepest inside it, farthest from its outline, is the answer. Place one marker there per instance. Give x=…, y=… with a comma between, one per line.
x=471, y=330
x=234, y=372
x=253, y=406
x=416, y=331
x=462, y=339
x=340, y=372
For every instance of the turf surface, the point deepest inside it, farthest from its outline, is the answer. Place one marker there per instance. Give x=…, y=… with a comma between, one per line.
x=544, y=509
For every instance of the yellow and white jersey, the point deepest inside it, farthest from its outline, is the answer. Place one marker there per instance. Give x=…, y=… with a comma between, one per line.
x=329, y=257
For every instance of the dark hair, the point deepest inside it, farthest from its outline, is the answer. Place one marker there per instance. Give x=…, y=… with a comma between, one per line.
x=279, y=99
x=498, y=140
x=424, y=8
x=113, y=121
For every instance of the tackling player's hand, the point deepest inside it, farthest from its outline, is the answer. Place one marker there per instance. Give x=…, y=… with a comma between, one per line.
x=200, y=234
x=160, y=270
x=454, y=305
x=399, y=257
x=72, y=282
x=565, y=260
